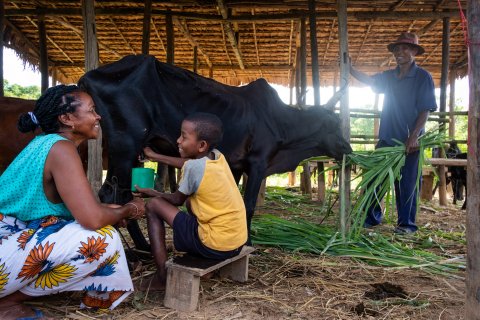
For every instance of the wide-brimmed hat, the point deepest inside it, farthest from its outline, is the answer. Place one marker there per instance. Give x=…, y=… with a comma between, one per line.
x=407, y=38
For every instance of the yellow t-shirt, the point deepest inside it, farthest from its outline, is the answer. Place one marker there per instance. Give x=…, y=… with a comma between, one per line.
x=216, y=202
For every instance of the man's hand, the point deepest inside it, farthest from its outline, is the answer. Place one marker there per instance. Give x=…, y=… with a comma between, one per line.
x=411, y=145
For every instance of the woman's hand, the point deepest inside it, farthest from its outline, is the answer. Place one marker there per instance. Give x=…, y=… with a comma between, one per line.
x=138, y=206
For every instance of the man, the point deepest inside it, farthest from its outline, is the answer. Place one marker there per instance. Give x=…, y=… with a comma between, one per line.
x=409, y=96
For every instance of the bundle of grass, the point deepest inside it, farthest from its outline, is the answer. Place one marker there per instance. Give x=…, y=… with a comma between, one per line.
x=378, y=171
x=303, y=236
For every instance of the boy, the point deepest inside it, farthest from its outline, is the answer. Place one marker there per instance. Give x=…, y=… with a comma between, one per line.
x=215, y=225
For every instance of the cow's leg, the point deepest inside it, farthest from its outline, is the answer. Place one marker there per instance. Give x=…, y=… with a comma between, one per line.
x=252, y=188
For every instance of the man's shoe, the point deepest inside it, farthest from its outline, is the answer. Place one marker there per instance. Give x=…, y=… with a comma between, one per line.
x=403, y=231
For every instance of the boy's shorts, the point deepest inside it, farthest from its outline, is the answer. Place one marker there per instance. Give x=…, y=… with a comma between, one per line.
x=185, y=239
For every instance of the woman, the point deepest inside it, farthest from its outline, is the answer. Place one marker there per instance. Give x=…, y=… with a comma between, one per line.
x=54, y=234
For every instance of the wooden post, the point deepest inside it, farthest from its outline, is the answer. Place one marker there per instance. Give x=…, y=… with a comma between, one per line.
x=442, y=186
x=170, y=39
x=472, y=305
x=344, y=109
x=54, y=77
x=303, y=62
x=195, y=59
x=376, y=121
x=451, y=105
x=2, y=32
x=147, y=16
x=42, y=43
x=320, y=182
x=314, y=52
x=94, y=172
x=297, y=79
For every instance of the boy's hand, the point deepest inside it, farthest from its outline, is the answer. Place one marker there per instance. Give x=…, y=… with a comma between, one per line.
x=145, y=192
x=149, y=154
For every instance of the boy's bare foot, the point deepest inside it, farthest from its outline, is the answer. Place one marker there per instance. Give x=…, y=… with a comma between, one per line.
x=154, y=283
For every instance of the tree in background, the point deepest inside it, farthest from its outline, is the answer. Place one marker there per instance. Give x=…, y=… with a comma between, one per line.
x=18, y=91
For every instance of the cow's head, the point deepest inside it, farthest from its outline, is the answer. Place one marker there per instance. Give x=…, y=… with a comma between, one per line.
x=329, y=137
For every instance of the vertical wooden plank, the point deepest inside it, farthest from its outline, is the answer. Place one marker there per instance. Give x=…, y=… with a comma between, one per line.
x=344, y=108
x=320, y=182
x=451, y=104
x=94, y=171
x=303, y=62
x=54, y=76
x=170, y=39
x=2, y=32
x=376, y=121
x=42, y=43
x=314, y=52
x=195, y=59
x=442, y=185
x=147, y=16
x=472, y=305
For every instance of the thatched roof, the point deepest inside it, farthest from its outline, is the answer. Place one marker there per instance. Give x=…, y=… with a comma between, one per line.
x=237, y=40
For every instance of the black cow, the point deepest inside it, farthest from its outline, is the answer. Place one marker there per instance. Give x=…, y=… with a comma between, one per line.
x=143, y=102
x=457, y=174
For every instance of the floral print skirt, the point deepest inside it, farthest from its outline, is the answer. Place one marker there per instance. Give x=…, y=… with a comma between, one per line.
x=52, y=255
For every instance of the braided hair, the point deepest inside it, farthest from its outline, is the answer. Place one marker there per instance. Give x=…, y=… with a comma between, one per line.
x=54, y=101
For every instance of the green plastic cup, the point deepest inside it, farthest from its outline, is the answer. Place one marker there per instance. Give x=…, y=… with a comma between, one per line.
x=143, y=177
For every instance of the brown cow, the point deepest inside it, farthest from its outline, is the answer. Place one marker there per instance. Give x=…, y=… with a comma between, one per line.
x=13, y=141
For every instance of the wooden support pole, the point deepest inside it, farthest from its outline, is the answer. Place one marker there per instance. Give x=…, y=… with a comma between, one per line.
x=170, y=39
x=2, y=32
x=303, y=62
x=195, y=59
x=344, y=109
x=442, y=186
x=314, y=52
x=376, y=121
x=94, y=171
x=147, y=16
x=451, y=105
x=42, y=41
x=472, y=305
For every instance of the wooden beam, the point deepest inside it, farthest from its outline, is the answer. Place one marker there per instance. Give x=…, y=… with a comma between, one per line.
x=314, y=53
x=472, y=304
x=230, y=34
x=81, y=35
x=345, y=176
x=290, y=42
x=442, y=187
x=42, y=44
x=170, y=39
x=195, y=59
x=303, y=62
x=182, y=26
x=94, y=171
x=158, y=36
x=330, y=39
x=451, y=104
x=255, y=39
x=447, y=162
x=146, y=26
x=294, y=14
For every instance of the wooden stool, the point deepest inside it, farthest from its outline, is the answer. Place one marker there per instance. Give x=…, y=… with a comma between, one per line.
x=426, y=189
x=183, y=277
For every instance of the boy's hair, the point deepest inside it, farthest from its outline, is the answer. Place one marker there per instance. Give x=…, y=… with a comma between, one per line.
x=208, y=127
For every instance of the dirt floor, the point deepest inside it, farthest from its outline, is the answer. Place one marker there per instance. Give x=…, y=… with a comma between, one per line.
x=286, y=285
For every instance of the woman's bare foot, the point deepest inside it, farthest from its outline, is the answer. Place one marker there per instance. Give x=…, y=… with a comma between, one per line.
x=20, y=311
x=154, y=283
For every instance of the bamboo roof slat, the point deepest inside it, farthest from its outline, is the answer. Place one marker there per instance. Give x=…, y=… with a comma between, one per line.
x=238, y=40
